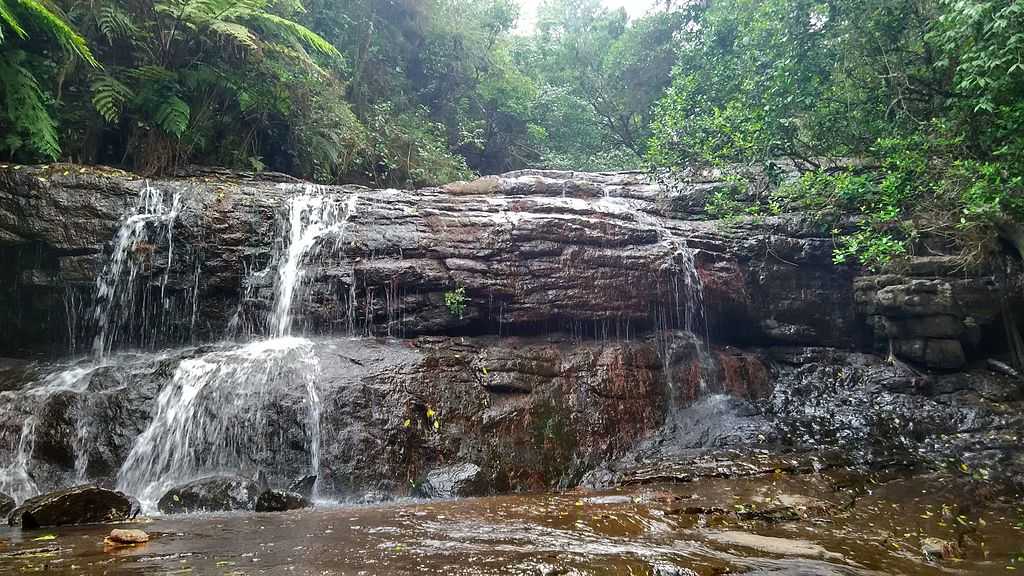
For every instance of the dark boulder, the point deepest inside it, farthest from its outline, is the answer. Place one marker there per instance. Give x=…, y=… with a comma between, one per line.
x=211, y=494
x=80, y=505
x=280, y=501
x=460, y=480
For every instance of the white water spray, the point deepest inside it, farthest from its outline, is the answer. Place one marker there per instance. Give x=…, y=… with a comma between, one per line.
x=312, y=217
x=212, y=417
x=116, y=287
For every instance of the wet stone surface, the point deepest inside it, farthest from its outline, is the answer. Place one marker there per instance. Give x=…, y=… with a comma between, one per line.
x=846, y=524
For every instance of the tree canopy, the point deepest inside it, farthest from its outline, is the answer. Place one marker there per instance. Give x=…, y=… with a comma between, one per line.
x=387, y=92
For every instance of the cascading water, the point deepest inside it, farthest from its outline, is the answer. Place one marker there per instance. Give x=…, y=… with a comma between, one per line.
x=312, y=216
x=19, y=442
x=211, y=417
x=214, y=413
x=686, y=312
x=117, y=287
x=120, y=305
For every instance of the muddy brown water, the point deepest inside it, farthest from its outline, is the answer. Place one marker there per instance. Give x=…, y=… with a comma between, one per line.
x=814, y=524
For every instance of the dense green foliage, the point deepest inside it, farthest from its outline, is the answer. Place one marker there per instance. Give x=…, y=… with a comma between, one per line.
x=927, y=95
x=388, y=92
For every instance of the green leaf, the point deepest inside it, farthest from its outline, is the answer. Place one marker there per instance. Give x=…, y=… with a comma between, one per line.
x=109, y=97
x=8, y=18
x=60, y=29
x=114, y=23
x=298, y=32
x=237, y=32
x=26, y=106
x=172, y=116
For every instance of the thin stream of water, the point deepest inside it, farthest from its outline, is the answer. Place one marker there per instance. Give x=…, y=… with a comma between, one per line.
x=117, y=288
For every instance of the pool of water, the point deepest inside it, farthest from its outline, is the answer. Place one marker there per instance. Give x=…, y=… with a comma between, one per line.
x=823, y=524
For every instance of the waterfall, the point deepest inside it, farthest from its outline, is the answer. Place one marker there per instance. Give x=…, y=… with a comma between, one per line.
x=212, y=417
x=118, y=287
x=691, y=304
x=312, y=216
x=15, y=479
x=214, y=413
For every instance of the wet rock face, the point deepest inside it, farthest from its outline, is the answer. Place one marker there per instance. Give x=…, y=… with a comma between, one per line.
x=7, y=504
x=590, y=271
x=304, y=486
x=213, y=494
x=393, y=412
x=81, y=505
x=535, y=252
x=881, y=413
x=929, y=316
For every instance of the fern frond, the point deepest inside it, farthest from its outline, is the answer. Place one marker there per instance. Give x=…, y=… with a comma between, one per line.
x=172, y=116
x=152, y=74
x=109, y=97
x=25, y=108
x=297, y=32
x=238, y=9
x=237, y=32
x=7, y=17
x=60, y=29
x=115, y=23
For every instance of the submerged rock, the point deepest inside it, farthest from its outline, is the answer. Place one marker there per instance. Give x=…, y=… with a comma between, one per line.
x=280, y=501
x=772, y=545
x=80, y=505
x=211, y=494
x=455, y=481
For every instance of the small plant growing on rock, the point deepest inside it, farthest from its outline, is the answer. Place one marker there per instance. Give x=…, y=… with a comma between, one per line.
x=455, y=300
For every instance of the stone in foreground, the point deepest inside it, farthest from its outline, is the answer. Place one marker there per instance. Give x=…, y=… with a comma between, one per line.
x=6, y=504
x=456, y=481
x=86, y=504
x=936, y=549
x=127, y=537
x=210, y=494
x=280, y=501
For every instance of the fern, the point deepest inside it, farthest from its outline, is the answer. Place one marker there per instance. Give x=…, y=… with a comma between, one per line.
x=228, y=18
x=7, y=17
x=297, y=32
x=172, y=116
x=109, y=97
x=237, y=32
x=115, y=23
x=60, y=29
x=25, y=109
x=152, y=74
